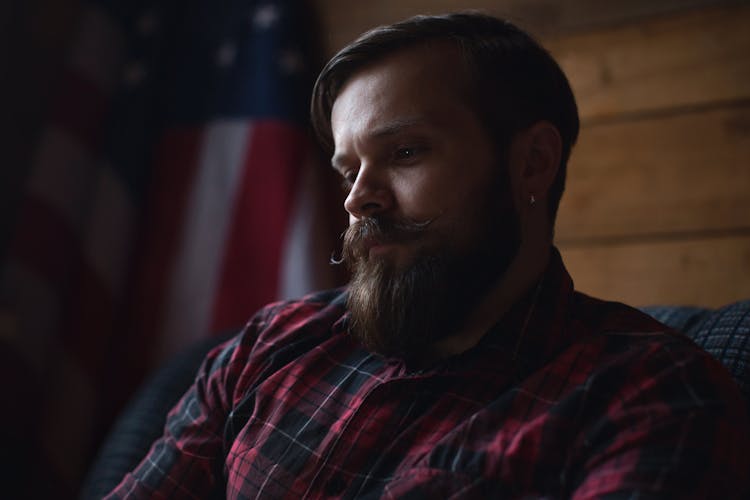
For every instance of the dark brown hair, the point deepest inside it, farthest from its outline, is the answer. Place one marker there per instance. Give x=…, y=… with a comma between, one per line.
x=516, y=81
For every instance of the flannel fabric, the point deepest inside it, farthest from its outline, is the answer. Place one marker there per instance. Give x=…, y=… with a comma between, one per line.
x=600, y=401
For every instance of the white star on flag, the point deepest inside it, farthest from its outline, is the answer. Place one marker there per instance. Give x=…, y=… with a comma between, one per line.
x=265, y=16
x=226, y=55
x=134, y=73
x=148, y=23
x=291, y=62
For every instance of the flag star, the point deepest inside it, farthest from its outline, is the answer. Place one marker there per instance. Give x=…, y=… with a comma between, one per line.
x=265, y=16
x=226, y=55
x=134, y=74
x=147, y=23
x=291, y=62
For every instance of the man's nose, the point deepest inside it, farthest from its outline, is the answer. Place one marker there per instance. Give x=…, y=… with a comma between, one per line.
x=370, y=194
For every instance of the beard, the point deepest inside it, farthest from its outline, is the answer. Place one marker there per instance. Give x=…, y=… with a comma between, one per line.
x=400, y=310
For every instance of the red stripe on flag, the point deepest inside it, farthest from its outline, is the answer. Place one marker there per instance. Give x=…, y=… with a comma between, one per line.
x=175, y=164
x=250, y=269
x=45, y=243
x=92, y=321
x=79, y=108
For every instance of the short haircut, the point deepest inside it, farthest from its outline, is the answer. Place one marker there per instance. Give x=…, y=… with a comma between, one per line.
x=516, y=81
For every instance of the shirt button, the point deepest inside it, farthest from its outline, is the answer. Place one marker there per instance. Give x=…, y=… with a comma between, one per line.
x=335, y=486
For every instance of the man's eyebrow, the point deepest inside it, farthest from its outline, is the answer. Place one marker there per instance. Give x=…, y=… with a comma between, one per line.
x=397, y=126
x=388, y=129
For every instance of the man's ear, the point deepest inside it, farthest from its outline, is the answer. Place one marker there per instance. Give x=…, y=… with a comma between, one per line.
x=538, y=151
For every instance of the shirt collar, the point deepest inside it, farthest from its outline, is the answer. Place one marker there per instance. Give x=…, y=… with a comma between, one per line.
x=528, y=335
x=532, y=331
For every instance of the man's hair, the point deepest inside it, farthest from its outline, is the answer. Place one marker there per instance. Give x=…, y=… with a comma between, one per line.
x=516, y=82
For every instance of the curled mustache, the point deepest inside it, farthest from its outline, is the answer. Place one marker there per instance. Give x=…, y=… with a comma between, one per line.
x=360, y=236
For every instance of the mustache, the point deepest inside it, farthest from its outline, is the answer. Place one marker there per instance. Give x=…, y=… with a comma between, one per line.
x=361, y=235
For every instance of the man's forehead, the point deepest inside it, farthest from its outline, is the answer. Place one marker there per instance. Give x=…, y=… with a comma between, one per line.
x=399, y=124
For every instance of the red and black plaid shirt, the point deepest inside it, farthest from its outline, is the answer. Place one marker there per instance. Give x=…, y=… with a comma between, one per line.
x=602, y=401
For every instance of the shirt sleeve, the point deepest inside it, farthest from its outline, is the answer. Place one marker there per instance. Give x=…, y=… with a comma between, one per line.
x=680, y=432
x=186, y=461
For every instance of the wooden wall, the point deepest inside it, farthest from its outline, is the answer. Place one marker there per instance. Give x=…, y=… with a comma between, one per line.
x=657, y=206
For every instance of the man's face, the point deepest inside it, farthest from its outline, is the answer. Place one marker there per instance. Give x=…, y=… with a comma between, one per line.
x=432, y=223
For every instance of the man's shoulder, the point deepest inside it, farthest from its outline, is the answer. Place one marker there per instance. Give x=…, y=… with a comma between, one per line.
x=624, y=336
x=330, y=301
x=628, y=382
x=614, y=317
x=279, y=333
x=314, y=314
x=634, y=353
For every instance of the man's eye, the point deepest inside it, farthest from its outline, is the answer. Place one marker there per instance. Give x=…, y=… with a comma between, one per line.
x=348, y=179
x=406, y=154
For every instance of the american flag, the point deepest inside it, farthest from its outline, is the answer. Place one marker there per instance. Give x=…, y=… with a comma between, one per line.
x=174, y=192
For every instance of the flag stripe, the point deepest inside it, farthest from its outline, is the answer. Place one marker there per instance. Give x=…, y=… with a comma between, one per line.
x=175, y=164
x=41, y=228
x=90, y=316
x=206, y=219
x=81, y=113
x=308, y=247
x=109, y=231
x=251, y=264
x=37, y=311
x=99, y=50
x=62, y=178
x=85, y=301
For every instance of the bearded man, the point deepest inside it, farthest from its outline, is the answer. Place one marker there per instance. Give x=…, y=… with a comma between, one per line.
x=459, y=362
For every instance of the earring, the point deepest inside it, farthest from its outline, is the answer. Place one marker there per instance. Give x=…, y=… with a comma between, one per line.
x=532, y=200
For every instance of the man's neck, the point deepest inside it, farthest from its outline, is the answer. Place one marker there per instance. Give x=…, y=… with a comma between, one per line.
x=522, y=275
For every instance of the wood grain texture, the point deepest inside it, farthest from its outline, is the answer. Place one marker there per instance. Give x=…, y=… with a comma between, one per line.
x=684, y=60
x=343, y=20
x=708, y=272
x=684, y=173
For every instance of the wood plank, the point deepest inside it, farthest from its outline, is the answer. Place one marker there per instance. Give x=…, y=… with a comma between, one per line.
x=707, y=272
x=690, y=59
x=344, y=20
x=684, y=173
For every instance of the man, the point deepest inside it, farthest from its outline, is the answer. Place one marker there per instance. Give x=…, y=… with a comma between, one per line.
x=459, y=362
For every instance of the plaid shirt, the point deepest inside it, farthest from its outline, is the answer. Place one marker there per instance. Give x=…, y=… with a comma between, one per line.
x=601, y=401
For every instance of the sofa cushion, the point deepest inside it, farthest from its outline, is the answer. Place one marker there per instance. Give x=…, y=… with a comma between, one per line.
x=723, y=332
